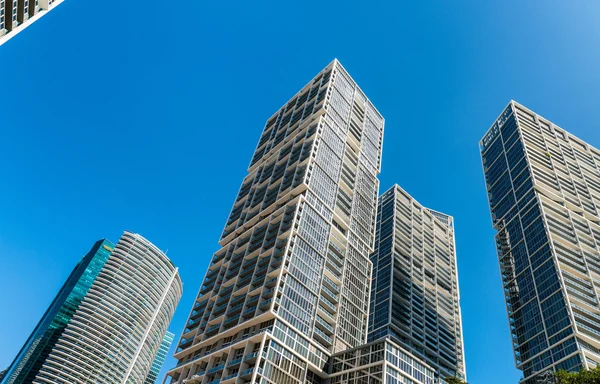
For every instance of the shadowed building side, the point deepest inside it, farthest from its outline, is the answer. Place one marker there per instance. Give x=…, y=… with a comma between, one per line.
x=415, y=298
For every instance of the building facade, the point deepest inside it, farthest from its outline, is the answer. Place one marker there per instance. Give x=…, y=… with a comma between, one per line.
x=290, y=285
x=414, y=294
x=16, y=15
x=116, y=331
x=544, y=192
x=380, y=362
x=60, y=313
x=159, y=360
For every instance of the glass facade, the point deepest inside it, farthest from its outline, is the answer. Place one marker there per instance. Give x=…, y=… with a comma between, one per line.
x=117, y=330
x=290, y=285
x=380, y=362
x=414, y=293
x=544, y=192
x=45, y=336
x=159, y=360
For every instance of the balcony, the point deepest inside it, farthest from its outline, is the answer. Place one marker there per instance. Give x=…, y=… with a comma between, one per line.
x=330, y=295
x=245, y=281
x=201, y=304
x=271, y=283
x=217, y=368
x=235, y=362
x=235, y=309
x=268, y=293
x=249, y=312
x=231, y=320
x=266, y=304
x=247, y=372
x=328, y=304
x=324, y=325
x=229, y=377
x=323, y=337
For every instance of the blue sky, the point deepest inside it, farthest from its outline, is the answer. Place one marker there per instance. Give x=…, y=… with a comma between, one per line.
x=145, y=118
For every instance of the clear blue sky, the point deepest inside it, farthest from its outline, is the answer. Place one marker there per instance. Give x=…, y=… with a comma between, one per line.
x=145, y=118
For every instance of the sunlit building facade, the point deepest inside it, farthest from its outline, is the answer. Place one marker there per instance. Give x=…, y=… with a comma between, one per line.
x=46, y=334
x=414, y=294
x=16, y=15
x=543, y=185
x=380, y=362
x=116, y=332
x=290, y=285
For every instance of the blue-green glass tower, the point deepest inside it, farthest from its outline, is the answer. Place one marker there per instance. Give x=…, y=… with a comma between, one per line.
x=159, y=360
x=37, y=348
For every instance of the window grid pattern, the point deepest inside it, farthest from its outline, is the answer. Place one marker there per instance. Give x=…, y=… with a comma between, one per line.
x=159, y=360
x=381, y=361
x=544, y=192
x=295, y=246
x=140, y=288
x=45, y=336
x=414, y=296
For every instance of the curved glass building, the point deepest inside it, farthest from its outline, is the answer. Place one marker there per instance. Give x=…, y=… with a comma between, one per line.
x=108, y=321
x=119, y=326
x=46, y=334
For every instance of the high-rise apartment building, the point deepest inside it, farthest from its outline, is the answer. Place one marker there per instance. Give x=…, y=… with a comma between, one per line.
x=50, y=328
x=117, y=330
x=414, y=293
x=290, y=285
x=16, y=15
x=159, y=360
x=107, y=322
x=544, y=192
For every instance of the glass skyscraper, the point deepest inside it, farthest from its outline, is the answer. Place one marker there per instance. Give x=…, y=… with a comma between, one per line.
x=117, y=330
x=107, y=322
x=544, y=192
x=159, y=360
x=414, y=294
x=50, y=328
x=290, y=285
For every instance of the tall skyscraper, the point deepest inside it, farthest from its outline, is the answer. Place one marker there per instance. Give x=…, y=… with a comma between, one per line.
x=107, y=322
x=159, y=360
x=544, y=192
x=117, y=330
x=414, y=293
x=290, y=285
x=16, y=15
x=50, y=328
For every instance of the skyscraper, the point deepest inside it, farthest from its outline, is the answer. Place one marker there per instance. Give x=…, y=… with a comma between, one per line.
x=118, y=328
x=544, y=192
x=46, y=334
x=16, y=15
x=414, y=292
x=108, y=320
x=159, y=360
x=290, y=285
